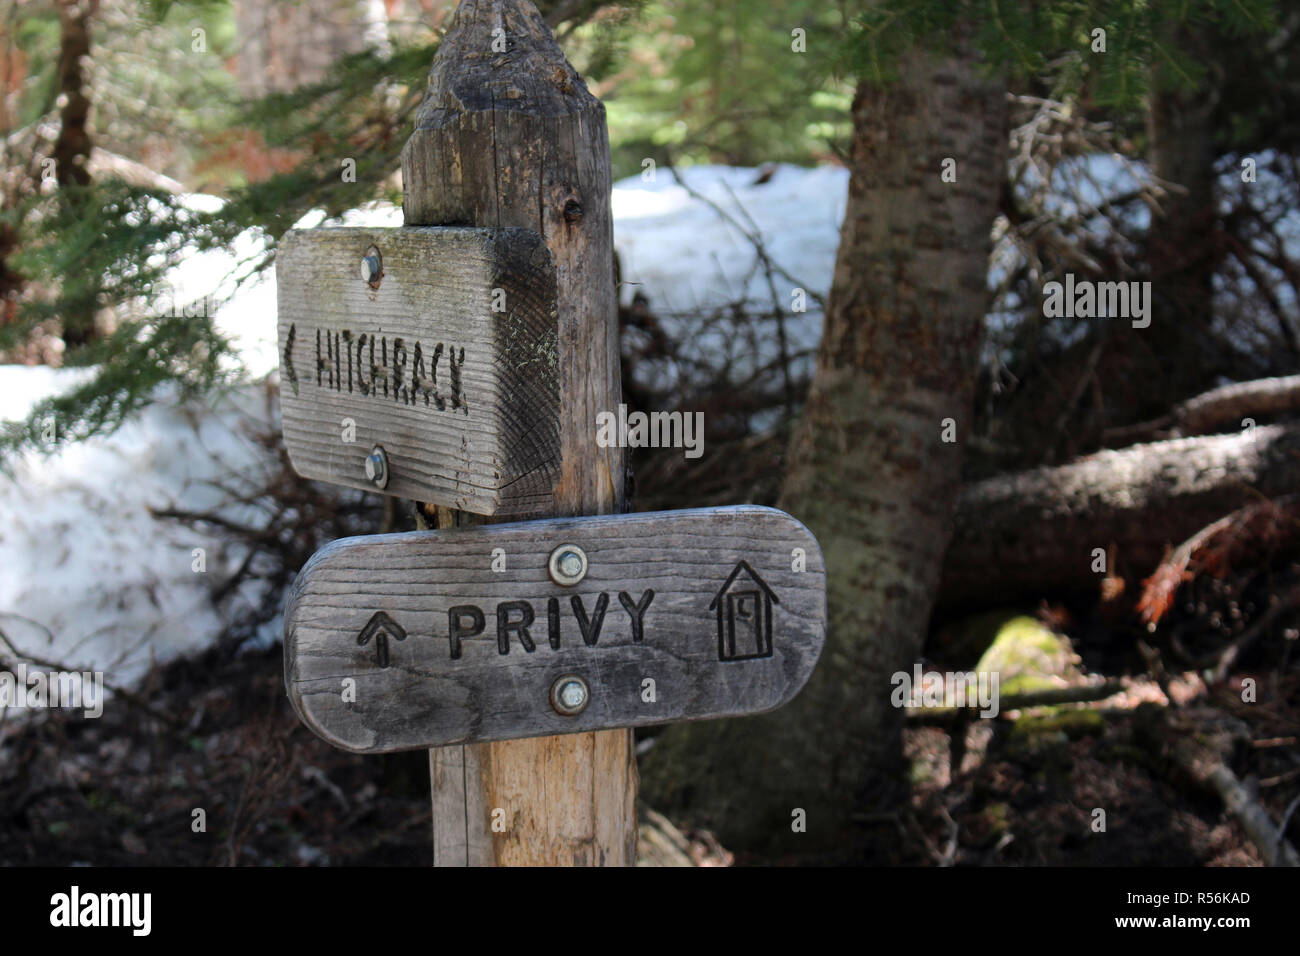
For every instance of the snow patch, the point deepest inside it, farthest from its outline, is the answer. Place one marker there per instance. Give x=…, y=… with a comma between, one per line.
x=93, y=580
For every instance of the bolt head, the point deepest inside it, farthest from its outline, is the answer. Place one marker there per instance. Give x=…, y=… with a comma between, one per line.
x=573, y=694
x=377, y=467
x=570, y=695
x=567, y=565
x=372, y=267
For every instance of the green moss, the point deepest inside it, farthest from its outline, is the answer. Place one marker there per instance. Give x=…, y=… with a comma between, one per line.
x=919, y=773
x=1027, y=656
x=997, y=817
x=1073, y=724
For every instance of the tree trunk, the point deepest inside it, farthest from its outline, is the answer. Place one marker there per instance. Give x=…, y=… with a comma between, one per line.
x=72, y=147
x=1027, y=535
x=287, y=45
x=869, y=472
x=1177, y=356
x=71, y=151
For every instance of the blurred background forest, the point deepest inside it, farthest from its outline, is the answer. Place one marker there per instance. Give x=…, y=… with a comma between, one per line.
x=835, y=226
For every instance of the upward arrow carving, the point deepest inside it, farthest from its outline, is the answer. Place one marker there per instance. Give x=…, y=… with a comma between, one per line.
x=380, y=626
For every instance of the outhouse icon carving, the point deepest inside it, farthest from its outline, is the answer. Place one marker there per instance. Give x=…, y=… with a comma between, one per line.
x=744, y=606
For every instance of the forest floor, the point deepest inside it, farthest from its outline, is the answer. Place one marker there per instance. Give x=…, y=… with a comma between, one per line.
x=217, y=734
x=205, y=762
x=1033, y=793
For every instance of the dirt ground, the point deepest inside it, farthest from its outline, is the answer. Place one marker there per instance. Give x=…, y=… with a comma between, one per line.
x=217, y=734
x=207, y=764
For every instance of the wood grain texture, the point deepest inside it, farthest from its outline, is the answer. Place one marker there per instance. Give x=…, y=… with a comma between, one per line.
x=449, y=362
x=705, y=603
x=458, y=773
x=513, y=138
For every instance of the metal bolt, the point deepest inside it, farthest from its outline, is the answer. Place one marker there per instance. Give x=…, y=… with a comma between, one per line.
x=568, y=565
x=377, y=466
x=570, y=695
x=372, y=269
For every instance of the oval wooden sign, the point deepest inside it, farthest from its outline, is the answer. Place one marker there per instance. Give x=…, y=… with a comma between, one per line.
x=429, y=638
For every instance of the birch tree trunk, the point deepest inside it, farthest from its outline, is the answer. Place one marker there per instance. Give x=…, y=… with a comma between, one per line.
x=869, y=472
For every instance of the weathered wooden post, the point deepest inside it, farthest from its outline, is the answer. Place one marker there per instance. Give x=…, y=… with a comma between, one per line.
x=508, y=135
x=465, y=360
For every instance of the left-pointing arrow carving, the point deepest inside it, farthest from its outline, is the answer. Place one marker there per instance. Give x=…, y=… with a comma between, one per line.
x=380, y=627
x=289, y=372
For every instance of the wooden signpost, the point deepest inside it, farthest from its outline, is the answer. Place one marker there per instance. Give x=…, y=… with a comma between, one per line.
x=672, y=616
x=462, y=361
x=435, y=351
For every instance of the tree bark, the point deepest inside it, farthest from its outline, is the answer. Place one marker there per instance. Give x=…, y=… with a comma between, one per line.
x=869, y=472
x=1227, y=406
x=287, y=45
x=71, y=151
x=72, y=147
x=1031, y=534
x=1178, y=355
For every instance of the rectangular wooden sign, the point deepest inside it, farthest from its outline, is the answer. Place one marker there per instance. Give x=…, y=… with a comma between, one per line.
x=422, y=362
x=428, y=638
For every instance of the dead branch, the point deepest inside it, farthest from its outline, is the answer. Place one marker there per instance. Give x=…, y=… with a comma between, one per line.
x=1198, y=743
x=1080, y=694
x=1261, y=526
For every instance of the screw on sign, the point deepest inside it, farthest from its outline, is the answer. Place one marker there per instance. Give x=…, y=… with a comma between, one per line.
x=569, y=695
x=372, y=270
x=567, y=565
x=474, y=359
x=377, y=467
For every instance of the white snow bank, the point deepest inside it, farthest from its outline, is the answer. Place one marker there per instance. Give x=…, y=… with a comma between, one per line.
x=693, y=262
x=89, y=578
x=245, y=306
x=687, y=258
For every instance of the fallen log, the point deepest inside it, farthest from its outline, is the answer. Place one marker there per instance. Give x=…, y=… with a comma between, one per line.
x=1230, y=406
x=1032, y=534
